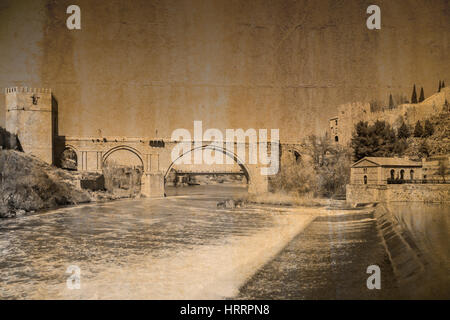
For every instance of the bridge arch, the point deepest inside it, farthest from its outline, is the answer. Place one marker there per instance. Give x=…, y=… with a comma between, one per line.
x=69, y=157
x=126, y=148
x=226, y=152
x=125, y=175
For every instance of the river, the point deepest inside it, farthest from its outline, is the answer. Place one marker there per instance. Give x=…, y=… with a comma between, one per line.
x=184, y=247
x=181, y=247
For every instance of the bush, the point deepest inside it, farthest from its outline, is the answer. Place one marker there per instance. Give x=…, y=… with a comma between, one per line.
x=295, y=179
x=428, y=129
x=9, y=140
x=27, y=183
x=418, y=130
x=323, y=171
x=403, y=131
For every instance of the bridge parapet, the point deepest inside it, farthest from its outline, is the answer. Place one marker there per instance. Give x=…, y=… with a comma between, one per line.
x=156, y=159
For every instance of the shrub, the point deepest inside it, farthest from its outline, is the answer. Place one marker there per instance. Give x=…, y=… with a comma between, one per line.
x=418, y=130
x=323, y=171
x=428, y=129
x=403, y=131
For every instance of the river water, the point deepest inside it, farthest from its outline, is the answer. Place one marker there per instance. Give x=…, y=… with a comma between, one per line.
x=180, y=247
x=184, y=247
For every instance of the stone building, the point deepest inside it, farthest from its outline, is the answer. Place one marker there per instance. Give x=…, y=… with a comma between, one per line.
x=29, y=116
x=382, y=171
x=374, y=179
x=334, y=132
x=349, y=114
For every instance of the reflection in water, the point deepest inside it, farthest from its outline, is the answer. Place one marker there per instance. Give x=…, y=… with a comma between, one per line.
x=429, y=226
x=426, y=228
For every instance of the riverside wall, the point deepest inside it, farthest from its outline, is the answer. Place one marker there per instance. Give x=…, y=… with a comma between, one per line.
x=357, y=193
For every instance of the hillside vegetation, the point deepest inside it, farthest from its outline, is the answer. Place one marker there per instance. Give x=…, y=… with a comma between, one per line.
x=436, y=144
x=29, y=184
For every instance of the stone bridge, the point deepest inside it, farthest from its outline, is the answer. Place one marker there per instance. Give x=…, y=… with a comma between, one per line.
x=155, y=157
x=31, y=115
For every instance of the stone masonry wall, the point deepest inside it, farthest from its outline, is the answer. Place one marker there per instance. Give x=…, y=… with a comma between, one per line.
x=29, y=116
x=399, y=192
x=351, y=113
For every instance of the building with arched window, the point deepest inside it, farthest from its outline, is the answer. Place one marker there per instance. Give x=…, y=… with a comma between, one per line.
x=380, y=171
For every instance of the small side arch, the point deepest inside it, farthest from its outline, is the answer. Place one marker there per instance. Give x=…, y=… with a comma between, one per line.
x=68, y=158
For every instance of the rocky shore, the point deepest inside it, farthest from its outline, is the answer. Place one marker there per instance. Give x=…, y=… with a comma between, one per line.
x=28, y=184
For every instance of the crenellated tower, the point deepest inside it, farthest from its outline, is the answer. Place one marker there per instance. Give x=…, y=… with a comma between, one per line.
x=29, y=116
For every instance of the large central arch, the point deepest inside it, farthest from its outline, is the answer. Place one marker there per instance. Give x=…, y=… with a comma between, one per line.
x=125, y=171
x=226, y=152
x=124, y=148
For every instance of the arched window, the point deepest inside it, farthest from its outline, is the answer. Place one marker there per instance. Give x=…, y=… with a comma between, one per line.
x=298, y=158
x=402, y=174
x=365, y=179
x=68, y=159
x=336, y=138
x=411, y=174
x=392, y=174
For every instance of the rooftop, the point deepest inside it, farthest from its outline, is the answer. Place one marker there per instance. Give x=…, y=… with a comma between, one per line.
x=390, y=162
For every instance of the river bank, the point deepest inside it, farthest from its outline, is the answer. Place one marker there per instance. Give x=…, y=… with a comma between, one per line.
x=29, y=185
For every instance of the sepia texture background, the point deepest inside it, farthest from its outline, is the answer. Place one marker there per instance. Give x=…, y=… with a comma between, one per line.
x=145, y=68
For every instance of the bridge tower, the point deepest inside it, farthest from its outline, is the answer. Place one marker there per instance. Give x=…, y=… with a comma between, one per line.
x=29, y=116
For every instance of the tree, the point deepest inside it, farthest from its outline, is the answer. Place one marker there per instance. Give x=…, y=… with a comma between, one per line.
x=403, y=131
x=391, y=102
x=439, y=89
x=399, y=147
x=414, y=95
x=442, y=169
x=377, y=140
x=422, y=95
x=428, y=129
x=418, y=130
x=324, y=171
x=424, y=150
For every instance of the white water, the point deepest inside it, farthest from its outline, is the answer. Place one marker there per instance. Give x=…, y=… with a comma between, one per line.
x=173, y=248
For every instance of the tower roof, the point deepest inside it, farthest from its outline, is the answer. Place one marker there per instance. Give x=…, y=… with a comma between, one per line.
x=27, y=90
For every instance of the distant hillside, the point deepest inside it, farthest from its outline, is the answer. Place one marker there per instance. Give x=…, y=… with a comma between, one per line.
x=350, y=114
x=438, y=143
